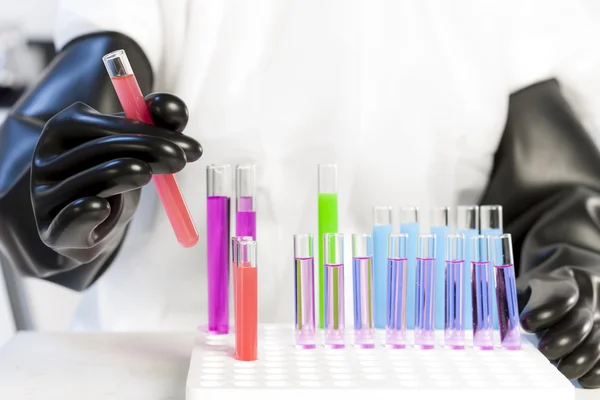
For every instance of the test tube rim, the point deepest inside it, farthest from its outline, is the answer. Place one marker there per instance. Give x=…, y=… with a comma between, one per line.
x=368, y=246
x=411, y=209
x=390, y=212
x=463, y=251
x=342, y=239
x=398, y=235
x=420, y=238
x=448, y=210
x=117, y=64
x=311, y=238
x=252, y=263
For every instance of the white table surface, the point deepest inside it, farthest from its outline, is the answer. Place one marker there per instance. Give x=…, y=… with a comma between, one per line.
x=75, y=366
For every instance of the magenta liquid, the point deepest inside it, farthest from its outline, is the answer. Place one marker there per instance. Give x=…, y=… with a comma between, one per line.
x=454, y=330
x=508, y=311
x=396, y=303
x=245, y=218
x=364, y=318
x=424, y=302
x=334, y=306
x=483, y=328
x=305, y=303
x=217, y=227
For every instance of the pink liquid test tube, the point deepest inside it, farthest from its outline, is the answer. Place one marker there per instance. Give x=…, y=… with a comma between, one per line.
x=395, y=331
x=245, y=215
x=425, y=293
x=304, y=265
x=506, y=292
x=133, y=103
x=234, y=262
x=482, y=293
x=333, y=255
x=364, y=299
x=454, y=329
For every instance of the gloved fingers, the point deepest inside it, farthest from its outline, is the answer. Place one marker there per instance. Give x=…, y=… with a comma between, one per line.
x=163, y=156
x=167, y=111
x=583, y=358
x=562, y=338
x=591, y=380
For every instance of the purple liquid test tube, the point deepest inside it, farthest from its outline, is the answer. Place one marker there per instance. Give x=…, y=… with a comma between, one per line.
x=333, y=256
x=454, y=328
x=482, y=293
x=506, y=292
x=304, y=264
x=245, y=215
x=425, y=293
x=362, y=271
x=217, y=247
x=395, y=334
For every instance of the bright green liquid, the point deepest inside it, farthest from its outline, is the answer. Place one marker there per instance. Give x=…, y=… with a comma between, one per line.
x=328, y=223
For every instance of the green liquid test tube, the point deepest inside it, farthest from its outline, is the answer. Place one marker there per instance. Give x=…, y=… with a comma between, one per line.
x=328, y=223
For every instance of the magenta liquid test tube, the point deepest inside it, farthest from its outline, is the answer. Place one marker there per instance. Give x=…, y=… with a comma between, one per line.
x=454, y=328
x=425, y=293
x=362, y=271
x=395, y=334
x=506, y=292
x=217, y=247
x=304, y=264
x=482, y=293
x=333, y=256
x=245, y=187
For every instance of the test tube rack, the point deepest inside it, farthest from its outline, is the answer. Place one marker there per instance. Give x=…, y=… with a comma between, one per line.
x=283, y=370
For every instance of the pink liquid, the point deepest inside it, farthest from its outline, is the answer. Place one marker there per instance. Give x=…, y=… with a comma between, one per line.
x=133, y=104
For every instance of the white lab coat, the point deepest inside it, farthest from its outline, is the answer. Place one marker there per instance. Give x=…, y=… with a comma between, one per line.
x=408, y=97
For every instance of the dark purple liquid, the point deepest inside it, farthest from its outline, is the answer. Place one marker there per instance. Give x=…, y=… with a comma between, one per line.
x=508, y=311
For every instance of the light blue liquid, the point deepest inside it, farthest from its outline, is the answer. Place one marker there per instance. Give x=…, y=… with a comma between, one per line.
x=467, y=277
x=440, y=233
x=380, y=257
x=493, y=232
x=412, y=229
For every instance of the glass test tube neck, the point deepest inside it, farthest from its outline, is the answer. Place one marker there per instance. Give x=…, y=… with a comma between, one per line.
x=409, y=215
x=217, y=180
x=247, y=254
x=426, y=246
x=491, y=217
x=303, y=246
x=245, y=187
x=328, y=179
x=234, y=246
x=117, y=64
x=440, y=216
x=502, y=253
x=480, y=249
x=467, y=217
x=455, y=247
x=362, y=245
x=334, y=249
x=382, y=215
x=397, y=246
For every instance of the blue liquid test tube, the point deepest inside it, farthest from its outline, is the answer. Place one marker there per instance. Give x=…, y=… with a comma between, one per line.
x=333, y=257
x=440, y=227
x=409, y=224
x=362, y=271
x=481, y=276
x=425, y=293
x=382, y=228
x=491, y=225
x=454, y=330
x=395, y=336
x=467, y=223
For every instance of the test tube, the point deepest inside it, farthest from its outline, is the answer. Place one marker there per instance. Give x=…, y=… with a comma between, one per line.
x=362, y=269
x=396, y=291
x=328, y=222
x=217, y=247
x=506, y=292
x=246, y=317
x=245, y=216
x=481, y=276
x=491, y=225
x=133, y=103
x=454, y=330
x=305, y=291
x=425, y=292
x=440, y=227
x=334, y=290
x=467, y=224
x=382, y=228
x=234, y=261
x=409, y=224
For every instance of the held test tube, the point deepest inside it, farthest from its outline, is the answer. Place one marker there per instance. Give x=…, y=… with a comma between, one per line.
x=334, y=290
x=395, y=336
x=245, y=187
x=409, y=224
x=467, y=224
x=362, y=270
x=425, y=293
x=481, y=276
x=382, y=228
x=134, y=105
x=440, y=227
x=454, y=330
x=246, y=316
x=305, y=291
x=491, y=225
x=217, y=248
x=328, y=222
x=506, y=292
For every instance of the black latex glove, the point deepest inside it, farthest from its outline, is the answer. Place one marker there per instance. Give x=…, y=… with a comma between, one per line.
x=547, y=177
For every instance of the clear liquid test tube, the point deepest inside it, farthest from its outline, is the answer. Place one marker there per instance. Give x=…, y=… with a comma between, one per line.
x=506, y=292
x=362, y=271
x=382, y=228
x=409, y=224
x=334, y=290
x=467, y=223
x=454, y=329
x=440, y=227
x=305, y=291
x=395, y=336
x=425, y=292
x=481, y=288
x=245, y=189
x=246, y=318
x=218, y=179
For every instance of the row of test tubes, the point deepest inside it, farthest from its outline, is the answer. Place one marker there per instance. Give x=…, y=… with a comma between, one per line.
x=487, y=251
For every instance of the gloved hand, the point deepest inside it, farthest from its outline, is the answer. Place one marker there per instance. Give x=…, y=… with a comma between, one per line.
x=88, y=169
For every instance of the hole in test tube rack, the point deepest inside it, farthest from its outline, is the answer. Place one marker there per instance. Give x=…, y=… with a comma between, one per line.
x=212, y=377
x=446, y=383
x=376, y=377
x=213, y=370
x=277, y=383
x=344, y=383
x=238, y=378
x=238, y=372
x=245, y=383
x=211, y=384
x=343, y=377
x=411, y=384
x=310, y=383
